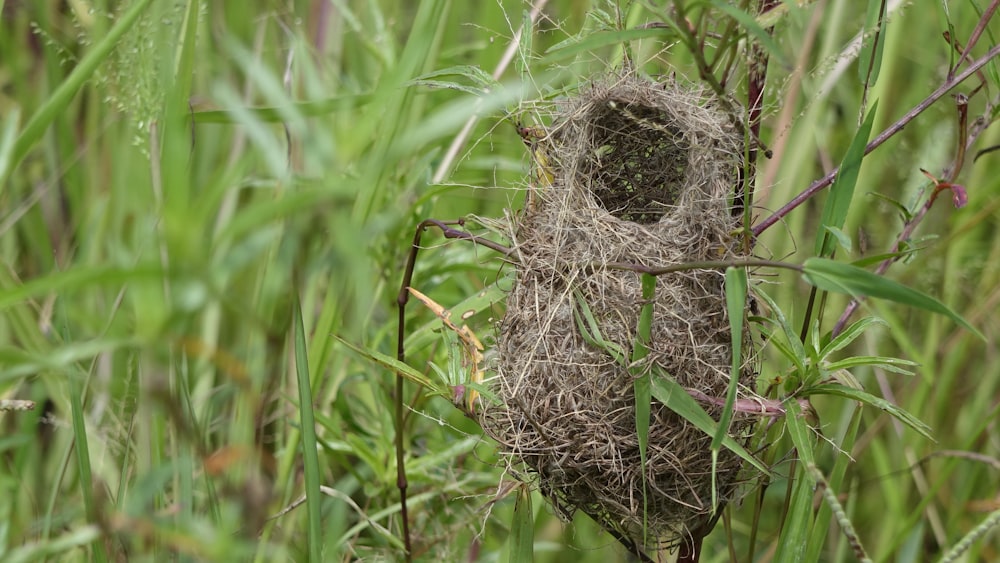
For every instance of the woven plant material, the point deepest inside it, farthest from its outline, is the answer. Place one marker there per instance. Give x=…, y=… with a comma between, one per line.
x=641, y=173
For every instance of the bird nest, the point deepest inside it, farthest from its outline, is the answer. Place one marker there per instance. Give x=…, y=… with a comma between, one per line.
x=639, y=173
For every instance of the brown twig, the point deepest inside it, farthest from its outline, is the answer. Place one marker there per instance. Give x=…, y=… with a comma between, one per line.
x=884, y=136
x=976, y=34
x=757, y=81
x=401, y=300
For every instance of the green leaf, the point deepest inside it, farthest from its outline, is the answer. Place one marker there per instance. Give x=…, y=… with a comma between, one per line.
x=799, y=518
x=842, y=238
x=392, y=363
x=834, y=276
x=7, y=138
x=643, y=406
x=895, y=365
x=848, y=335
x=591, y=333
x=795, y=351
x=839, y=202
x=904, y=214
x=871, y=400
x=310, y=458
x=749, y=23
x=600, y=39
x=645, y=327
x=736, y=303
x=483, y=80
x=522, y=528
x=799, y=431
x=870, y=59
x=671, y=394
x=275, y=114
x=67, y=89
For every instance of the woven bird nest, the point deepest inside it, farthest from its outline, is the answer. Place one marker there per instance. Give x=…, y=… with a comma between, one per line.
x=641, y=173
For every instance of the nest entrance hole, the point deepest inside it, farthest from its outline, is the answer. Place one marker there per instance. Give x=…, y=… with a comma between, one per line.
x=636, y=162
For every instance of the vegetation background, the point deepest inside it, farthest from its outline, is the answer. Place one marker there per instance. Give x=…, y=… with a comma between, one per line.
x=197, y=197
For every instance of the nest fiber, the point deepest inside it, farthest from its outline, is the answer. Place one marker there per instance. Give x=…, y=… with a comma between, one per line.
x=639, y=173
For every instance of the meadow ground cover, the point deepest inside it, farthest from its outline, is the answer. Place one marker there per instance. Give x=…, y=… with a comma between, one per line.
x=206, y=211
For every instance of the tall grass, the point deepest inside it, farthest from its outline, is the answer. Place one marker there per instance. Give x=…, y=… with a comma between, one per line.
x=197, y=198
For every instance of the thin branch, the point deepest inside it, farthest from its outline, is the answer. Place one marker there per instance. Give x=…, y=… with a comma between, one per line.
x=884, y=136
x=965, y=140
x=976, y=34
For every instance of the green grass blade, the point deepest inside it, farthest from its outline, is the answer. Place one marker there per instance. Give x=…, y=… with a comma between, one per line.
x=310, y=458
x=392, y=363
x=894, y=365
x=798, y=521
x=522, y=528
x=795, y=351
x=838, y=203
x=870, y=59
x=848, y=335
x=834, y=276
x=591, y=332
x=671, y=394
x=71, y=541
x=8, y=136
x=749, y=23
x=871, y=400
x=820, y=529
x=63, y=95
x=82, y=449
x=12, y=292
x=601, y=39
x=736, y=302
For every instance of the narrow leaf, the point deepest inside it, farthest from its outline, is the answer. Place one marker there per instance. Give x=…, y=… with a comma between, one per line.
x=591, y=333
x=848, y=335
x=392, y=363
x=749, y=23
x=671, y=394
x=870, y=59
x=839, y=202
x=310, y=457
x=799, y=431
x=871, y=400
x=895, y=365
x=601, y=39
x=842, y=238
x=522, y=528
x=795, y=351
x=736, y=302
x=834, y=276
